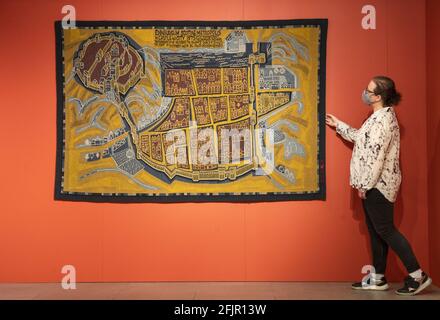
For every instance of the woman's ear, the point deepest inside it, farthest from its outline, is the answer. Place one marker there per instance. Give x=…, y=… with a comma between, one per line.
x=378, y=97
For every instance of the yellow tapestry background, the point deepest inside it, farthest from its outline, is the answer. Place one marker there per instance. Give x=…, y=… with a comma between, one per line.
x=103, y=175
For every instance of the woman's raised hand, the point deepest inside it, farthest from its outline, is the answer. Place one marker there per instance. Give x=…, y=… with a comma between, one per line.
x=331, y=120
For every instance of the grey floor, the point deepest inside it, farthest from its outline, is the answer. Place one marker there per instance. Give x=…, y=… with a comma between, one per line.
x=204, y=290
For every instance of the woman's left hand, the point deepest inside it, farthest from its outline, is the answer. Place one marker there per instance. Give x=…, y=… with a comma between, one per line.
x=362, y=194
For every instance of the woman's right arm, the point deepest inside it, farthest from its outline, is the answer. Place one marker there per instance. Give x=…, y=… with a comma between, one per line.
x=346, y=132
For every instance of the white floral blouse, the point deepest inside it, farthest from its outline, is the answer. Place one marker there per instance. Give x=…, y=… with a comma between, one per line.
x=375, y=158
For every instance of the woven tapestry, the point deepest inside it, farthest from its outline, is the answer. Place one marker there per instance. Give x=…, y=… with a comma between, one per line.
x=172, y=111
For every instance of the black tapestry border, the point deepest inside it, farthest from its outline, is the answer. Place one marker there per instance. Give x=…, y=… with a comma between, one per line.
x=205, y=197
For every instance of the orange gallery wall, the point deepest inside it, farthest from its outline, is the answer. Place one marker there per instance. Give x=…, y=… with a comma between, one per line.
x=282, y=241
x=433, y=69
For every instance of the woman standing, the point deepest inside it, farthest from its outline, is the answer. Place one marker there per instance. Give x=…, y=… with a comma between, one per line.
x=375, y=173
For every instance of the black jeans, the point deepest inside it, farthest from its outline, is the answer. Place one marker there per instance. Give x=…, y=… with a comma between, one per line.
x=379, y=214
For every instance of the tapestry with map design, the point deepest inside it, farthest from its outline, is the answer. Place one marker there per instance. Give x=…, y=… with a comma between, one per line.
x=175, y=111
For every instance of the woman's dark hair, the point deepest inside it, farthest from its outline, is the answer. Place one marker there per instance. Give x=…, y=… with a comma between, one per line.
x=386, y=88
